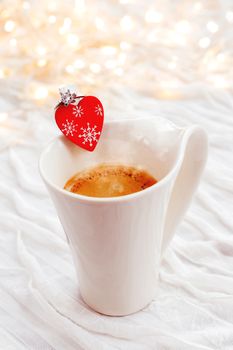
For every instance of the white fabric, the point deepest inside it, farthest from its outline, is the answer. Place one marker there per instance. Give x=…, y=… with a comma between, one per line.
x=40, y=305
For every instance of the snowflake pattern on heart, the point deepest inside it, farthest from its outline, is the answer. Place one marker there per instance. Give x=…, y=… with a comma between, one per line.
x=77, y=111
x=98, y=110
x=81, y=122
x=89, y=134
x=69, y=128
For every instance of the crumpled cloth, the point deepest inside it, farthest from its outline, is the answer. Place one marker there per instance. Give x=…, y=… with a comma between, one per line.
x=40, y=304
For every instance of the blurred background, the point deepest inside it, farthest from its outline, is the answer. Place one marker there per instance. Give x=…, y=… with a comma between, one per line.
x=167, y=49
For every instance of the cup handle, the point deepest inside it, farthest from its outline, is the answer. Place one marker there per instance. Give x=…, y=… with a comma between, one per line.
x=193, y=156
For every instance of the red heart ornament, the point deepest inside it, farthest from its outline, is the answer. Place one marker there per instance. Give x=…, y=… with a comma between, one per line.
x=81, y=122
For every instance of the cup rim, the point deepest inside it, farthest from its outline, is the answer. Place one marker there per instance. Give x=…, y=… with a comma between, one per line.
x=124, y=198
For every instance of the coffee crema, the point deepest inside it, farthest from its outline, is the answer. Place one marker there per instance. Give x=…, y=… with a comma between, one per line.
x=109, y=181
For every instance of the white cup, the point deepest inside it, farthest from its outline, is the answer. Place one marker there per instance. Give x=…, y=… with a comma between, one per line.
x=117, y=243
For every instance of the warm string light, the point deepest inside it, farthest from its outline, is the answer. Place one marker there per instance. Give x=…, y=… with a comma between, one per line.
x=81, y=45
x=204, y=42
x=4, y=72
x=70, y=69
x=229, y=16
x=52, y=5
x=95, y=67
x=9, y=26
x=153, y=16
x=13, y=42
x=40, y=93
x=212, y=26
x=26, y=5
x=172, y=65
x=41, y=62
x=41, y=51
x=3, y=117
x=218, y=81
x=100, y=24
x=52, y=19
x=183, y=27
x=73, y=40
x=198, y=6
x=126, y=23
x=109, y=50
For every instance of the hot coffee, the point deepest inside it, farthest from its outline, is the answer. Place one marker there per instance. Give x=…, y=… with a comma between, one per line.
x=109, y=181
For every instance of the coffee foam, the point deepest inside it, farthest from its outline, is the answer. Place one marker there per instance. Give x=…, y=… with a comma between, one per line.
x=107, y=180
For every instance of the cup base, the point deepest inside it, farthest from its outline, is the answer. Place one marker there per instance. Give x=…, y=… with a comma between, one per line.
x=115, y=313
